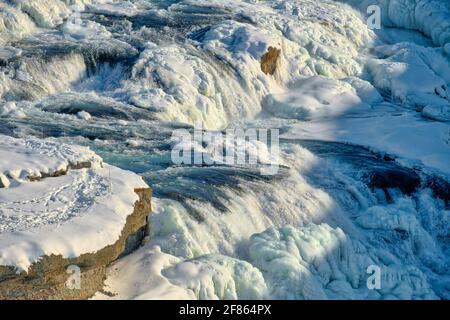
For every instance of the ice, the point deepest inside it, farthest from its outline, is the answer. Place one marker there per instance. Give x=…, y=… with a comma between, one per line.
x=427, y=16
x=218, y=277
x=352, y=104
x=84, y=115
x=9, y=109
x=208, y=277
x=14, y=23
x=187, y=90
x=318, y=262
x=79, y=29
x=316, y=98
x=414, y=75
x=182, y=83
x=123, y=8
x=211, y=146
x=21, y=18
x=437, y=112
x=305, y=255
x=8, y=52
x=365, y=90
x=26, y=80
x=414, y=141
x=189, y=86
x=314, y=261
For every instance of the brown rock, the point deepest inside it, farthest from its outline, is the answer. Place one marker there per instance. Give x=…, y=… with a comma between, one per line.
x=269, y=60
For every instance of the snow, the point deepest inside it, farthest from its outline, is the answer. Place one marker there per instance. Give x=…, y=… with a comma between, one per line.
x=414, y=75
x=9, y=109
x=185, y=82
x=211, y=277
x=83, y=115
x=77, y=28
x=14, y=24
x=427, y=16
x=416, y=142
x=79, y=212
x=318, y=262
x=20, y=18
x=123, y=8
x=315, y=98
x=31, y=158
x=125, y=280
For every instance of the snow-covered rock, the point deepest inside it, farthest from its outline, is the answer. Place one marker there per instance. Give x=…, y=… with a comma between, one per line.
x=79, y=205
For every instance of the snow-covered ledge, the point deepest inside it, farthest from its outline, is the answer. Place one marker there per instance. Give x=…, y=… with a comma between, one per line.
x=61, y=206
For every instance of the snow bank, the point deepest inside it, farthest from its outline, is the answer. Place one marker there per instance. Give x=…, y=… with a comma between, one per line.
x=315, y=98
x=413, y=75
x=414, y=141
x=430, y=17
x=211, y=277
x=22, y=159
x=80, y=212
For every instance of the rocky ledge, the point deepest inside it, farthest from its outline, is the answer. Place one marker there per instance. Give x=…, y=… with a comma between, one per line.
x=59, y=233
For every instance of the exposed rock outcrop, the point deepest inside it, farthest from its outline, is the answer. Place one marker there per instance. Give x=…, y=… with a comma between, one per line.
x=269, y=60
x=47, y=278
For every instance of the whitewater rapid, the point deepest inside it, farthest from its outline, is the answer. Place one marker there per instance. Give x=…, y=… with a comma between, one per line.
x=363, y=116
